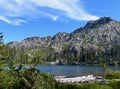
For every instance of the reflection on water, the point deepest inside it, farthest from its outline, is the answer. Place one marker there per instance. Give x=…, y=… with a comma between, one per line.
x=71, y=70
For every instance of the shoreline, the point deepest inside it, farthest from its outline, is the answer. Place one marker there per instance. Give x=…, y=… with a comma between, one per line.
x=82, y=79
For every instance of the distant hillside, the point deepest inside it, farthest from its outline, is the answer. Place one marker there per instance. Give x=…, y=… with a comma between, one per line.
x=98, y=41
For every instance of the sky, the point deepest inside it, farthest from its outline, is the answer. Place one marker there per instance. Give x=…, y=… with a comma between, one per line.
x=20, y=19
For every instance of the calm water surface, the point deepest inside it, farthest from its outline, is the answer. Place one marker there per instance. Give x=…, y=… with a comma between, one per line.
x=72, y=70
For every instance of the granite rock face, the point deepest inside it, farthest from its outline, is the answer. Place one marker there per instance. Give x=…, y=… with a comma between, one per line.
x=103, y=34
x=104, y=31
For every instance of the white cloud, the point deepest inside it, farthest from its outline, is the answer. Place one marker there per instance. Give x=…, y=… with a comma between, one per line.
x=12, y=21
x=20, y=11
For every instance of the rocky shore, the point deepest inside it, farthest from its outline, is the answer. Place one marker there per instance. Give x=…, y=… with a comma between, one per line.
x=82, y=79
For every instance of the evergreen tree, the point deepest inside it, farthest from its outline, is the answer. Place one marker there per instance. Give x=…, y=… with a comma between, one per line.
x=1, y=38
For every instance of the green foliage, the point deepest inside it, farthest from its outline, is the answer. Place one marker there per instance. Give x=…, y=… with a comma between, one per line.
x=8, y=80
x=33, y=79
x=82, y=86
x=6, y=56
x=28, y=78
x=47, y=81
x=115, y=84
x=113, y=75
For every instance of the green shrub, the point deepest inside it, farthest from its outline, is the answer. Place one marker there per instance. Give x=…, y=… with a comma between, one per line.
x=112, y=75
x=115, y=84
x=26, y=79
x=8, y=80
x=100, y=86
x=82, y=86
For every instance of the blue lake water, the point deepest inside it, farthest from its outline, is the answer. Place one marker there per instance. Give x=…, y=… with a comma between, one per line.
x=72, y=70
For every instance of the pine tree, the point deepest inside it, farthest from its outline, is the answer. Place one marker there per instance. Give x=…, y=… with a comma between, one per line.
x=1, y=38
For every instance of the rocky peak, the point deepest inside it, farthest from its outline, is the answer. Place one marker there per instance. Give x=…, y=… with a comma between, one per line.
x=31, y=38
x=94, y=24
x=99, y=22
x=59, y=35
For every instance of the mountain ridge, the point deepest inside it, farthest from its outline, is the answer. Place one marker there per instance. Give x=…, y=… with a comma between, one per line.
x=60, y=35
x=102, y=34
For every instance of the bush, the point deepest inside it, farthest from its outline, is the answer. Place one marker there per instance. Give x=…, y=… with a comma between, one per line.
x=82, y=86
x=100, y=86
x=26, y=79
x=112, y=75
x=8, y=80
x=115, y=84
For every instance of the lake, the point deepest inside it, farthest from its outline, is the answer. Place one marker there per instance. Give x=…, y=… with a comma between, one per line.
x=72, y=70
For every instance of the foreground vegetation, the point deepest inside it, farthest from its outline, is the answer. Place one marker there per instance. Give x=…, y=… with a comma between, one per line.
x=30, y=78
x=13, y=75
x=25, y=79
x=112, y=85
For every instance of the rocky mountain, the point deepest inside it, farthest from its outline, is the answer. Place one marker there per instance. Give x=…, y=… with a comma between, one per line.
x=102, y=34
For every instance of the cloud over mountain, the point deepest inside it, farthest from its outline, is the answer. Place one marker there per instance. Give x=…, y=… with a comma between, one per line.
x=21, y=11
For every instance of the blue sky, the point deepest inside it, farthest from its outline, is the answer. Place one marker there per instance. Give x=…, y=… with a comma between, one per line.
x=26, y=18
